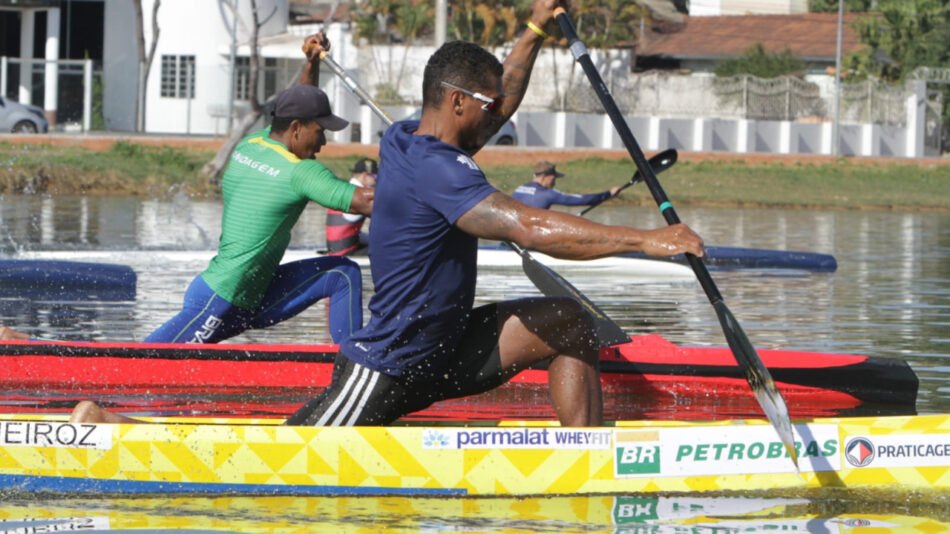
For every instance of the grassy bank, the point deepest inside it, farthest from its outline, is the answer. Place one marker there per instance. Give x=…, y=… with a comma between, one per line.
x=133, y=169
x=843, y=183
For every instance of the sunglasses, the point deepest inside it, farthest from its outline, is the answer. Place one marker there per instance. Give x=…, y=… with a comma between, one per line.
x=491, y=105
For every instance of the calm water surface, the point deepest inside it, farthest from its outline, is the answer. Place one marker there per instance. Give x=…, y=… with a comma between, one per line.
x=889, y=297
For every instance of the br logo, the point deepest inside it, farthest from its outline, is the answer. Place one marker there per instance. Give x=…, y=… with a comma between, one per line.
x=859, y=452
x=637, y=459
x=634, y=510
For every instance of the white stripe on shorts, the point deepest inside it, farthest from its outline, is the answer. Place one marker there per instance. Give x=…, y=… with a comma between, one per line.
x=363, y=398
x=350, y=382
x=352, y=391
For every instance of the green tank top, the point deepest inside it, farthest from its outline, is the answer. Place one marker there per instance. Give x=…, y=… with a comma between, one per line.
x=265, y=188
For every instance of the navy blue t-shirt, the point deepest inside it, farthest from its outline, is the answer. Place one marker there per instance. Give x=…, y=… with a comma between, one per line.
x=538, y=196
x=423, y=267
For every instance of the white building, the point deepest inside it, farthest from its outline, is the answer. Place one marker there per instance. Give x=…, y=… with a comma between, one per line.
x=191, y=70
x=188, y=86
x=699, y=8
x=24, y=14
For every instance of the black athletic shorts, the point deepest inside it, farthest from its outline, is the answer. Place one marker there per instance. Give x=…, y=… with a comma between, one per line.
x=359, y=396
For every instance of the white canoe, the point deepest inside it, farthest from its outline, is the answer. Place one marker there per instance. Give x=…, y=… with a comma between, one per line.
x=490, y=258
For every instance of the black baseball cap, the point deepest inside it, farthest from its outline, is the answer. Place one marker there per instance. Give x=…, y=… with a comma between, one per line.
x=307, y=102
x=366, y=165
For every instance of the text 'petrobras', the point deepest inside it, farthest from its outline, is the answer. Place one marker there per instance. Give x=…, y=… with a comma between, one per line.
x=679, y=452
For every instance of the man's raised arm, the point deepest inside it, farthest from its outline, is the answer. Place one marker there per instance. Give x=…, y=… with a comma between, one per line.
x=520, y=61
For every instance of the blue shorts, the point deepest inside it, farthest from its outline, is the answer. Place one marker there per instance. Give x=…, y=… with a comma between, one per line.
x=207, y=318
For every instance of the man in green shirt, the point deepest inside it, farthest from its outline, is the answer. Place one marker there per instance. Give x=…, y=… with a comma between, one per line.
x=266, y=185
x=270, y=179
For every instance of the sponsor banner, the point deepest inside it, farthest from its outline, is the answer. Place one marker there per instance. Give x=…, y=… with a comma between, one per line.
x=66, y=435
x=515, y=438
x=898, y=450
x=53, y=524
x=684, y=452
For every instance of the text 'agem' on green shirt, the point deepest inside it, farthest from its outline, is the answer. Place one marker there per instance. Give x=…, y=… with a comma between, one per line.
x=265, y=188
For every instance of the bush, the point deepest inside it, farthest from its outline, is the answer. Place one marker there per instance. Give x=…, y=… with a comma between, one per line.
x=757, y=62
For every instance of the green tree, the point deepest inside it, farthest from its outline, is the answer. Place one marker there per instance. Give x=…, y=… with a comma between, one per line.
x=608, y=23
x=757, y=62
x=604, y=23
x=904, y=35
x=98, y=121
x=487, y=23
x=393, y=21
x=831, y=6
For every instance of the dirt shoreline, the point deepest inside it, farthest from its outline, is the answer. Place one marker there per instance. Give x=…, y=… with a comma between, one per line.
x=494, y=155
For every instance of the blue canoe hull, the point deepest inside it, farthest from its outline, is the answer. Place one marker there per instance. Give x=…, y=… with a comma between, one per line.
x=750, y=258
x=760, y=258
x=68, y=280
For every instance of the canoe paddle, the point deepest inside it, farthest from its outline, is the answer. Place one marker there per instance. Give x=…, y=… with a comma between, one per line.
x=354, y=87
x=659, y=163
x=548, y=282
x=763, y=387
x=552, y=284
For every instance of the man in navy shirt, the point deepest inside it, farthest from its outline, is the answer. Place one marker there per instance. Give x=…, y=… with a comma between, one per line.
x=424, y=342
x=540, y=192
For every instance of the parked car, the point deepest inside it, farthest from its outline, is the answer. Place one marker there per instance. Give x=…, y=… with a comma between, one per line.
x=21, y=118
x=506, y=135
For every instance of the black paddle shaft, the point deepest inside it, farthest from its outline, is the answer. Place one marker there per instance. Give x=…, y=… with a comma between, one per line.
x=646, y=171
x=763, y=387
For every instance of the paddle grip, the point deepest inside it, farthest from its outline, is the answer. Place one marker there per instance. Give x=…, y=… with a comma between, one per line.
x=633, y=148
x=664, y=160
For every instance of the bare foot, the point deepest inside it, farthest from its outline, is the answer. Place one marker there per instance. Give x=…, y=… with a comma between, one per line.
x=9, y=334
x=90, y=412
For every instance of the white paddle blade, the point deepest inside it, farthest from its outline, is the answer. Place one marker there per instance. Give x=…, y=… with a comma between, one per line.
x=759, y=378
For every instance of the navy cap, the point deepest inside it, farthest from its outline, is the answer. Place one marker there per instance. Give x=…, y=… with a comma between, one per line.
x=307, y=102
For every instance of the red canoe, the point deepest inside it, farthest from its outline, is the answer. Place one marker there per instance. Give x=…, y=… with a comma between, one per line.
x=646, y=378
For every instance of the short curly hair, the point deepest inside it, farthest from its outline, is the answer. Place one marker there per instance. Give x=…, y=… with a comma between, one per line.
x=461, y=63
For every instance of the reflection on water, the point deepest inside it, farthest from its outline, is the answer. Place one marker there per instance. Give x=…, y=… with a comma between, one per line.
x=890, y=297
x=623, y=513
